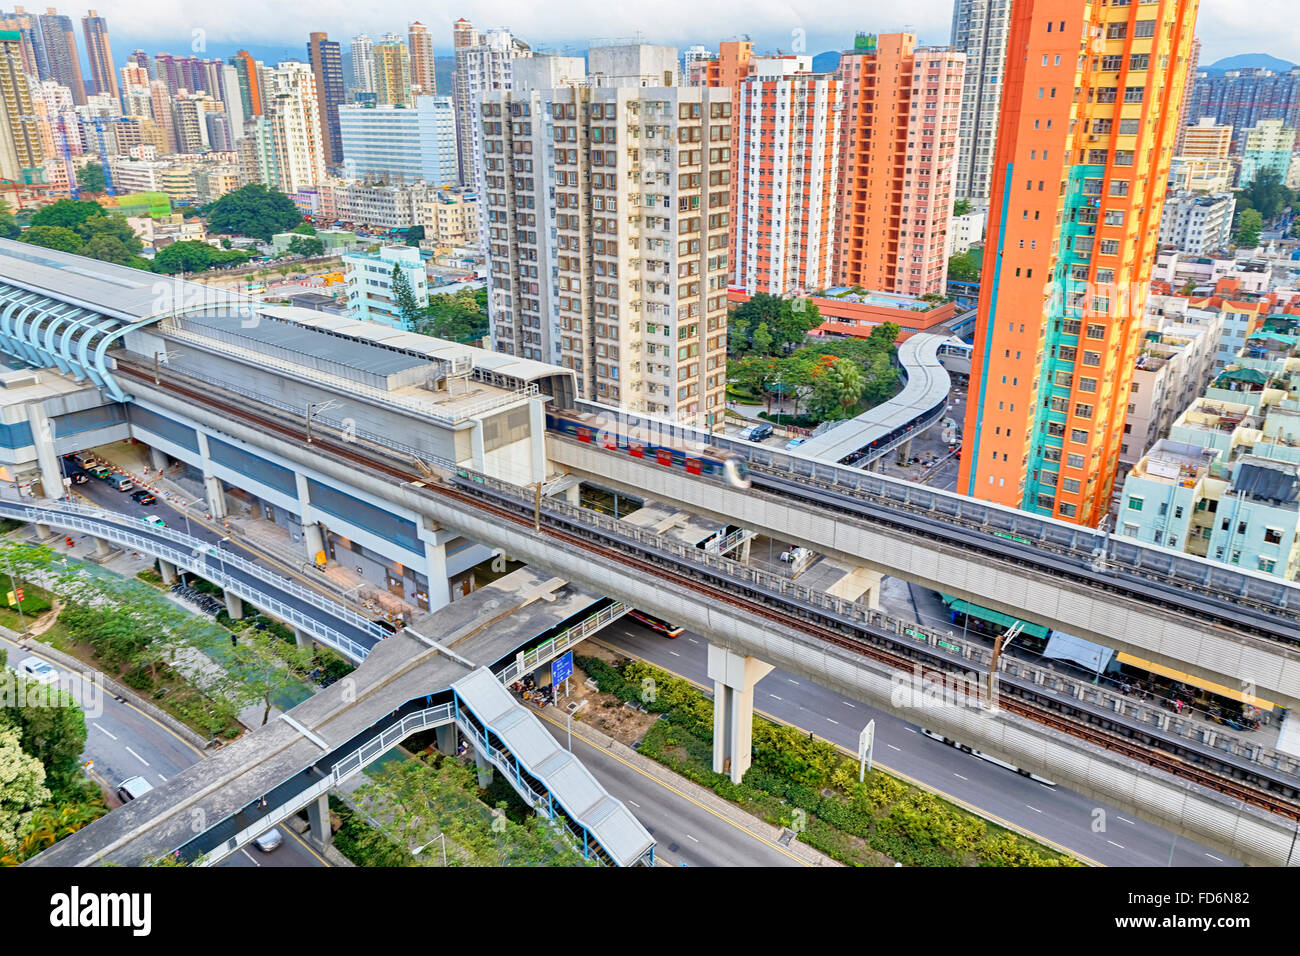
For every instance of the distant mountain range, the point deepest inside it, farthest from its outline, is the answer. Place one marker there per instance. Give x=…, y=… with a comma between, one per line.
x=826, y=62
x=1249, y=61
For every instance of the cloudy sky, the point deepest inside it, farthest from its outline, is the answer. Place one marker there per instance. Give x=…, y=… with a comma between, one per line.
x=1226, y=27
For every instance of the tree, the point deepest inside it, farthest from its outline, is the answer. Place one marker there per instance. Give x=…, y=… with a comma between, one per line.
x=414, y=801
x=187, y=256
x=761, y=341
x=836, y=391
x=68, y=213
x=885, y=335
x=753, y=373
x=1266, y=193
x=22, y=788
x=404, y=298
x=51, y=726
x=961, y=207
x=91, y=179
x=8, y=228
x=264, y=665
x=306, y=246
x=253, y=210
x=461, y=317
x=963, y=268
x=413, y=236
x=53, y=237
x=112, y=226
x=1249, y=225
x=304, y=228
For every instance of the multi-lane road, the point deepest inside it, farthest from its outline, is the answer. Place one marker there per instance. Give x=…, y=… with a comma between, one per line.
x=1076, y=823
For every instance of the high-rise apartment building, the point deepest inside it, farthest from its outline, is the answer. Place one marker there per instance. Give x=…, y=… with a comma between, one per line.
x=392, y=71
x=61, y=57
x=295, y=127
x=161, y=110
x=362, y=52
x=482, y=64
x=190, y=118
x=1268, y=146
x=401, y=143
x=622, y=276
x=1241, y=98
x=979, y=29
x=326, y=61
x=20, y=141
x=1207, y=138
x=898, y=155
x=785, y=140
x=29, y=41
x=420, y=43
x=249, y=75
x=1185, y=115
x=1089, y=119
x=99, y=53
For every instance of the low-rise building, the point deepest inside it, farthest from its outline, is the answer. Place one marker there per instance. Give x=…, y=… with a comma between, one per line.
x=450, y=220
x=370, y=280
x=1204, y=174
x=964, y=231
x=369, y=206
x=1197, y=224
x=157, y=232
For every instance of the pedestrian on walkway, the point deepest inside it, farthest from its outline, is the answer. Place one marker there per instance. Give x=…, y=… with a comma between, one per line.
x=234, y=640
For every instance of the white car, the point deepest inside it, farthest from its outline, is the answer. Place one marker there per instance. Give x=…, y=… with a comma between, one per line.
x=38, y=670
x=154, y=520
x=269, y=840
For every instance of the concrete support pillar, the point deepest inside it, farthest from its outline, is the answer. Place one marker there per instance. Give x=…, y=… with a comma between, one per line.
x=102, y=547
x=537, y=421
x=44, y=531
x=446, y=737
x=734, y=676
x=168, y=572
x=318, y=815
x=484, y=767
x=46, y=459
x=215, y=494
x=435, y=556
x=743, y=555
x=234, y=604
x=158, y=459
x=313, y=542
x=573, y=496
x=302, y=638
x=904, y=452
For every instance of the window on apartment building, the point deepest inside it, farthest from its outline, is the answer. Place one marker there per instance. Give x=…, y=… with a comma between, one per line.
x=1272, y=535
x=1109, y=247
x=1144, y=28
x=1128, y=127
x=1087, y=385
x=1079, y=436
x=1116, y=31
x=1092, y=358
x=1068, y=510
x=1134, y=503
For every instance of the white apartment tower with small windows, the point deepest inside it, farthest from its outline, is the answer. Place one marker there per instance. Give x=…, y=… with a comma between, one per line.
x=290, y=94
x=979, y=29
x=605, y=217
x=482, y=65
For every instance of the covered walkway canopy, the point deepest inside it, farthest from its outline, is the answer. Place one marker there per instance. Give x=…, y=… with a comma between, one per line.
x=994, y=617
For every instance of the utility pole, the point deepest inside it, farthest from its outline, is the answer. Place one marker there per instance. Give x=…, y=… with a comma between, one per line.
x=999, y=645
x=537, y=506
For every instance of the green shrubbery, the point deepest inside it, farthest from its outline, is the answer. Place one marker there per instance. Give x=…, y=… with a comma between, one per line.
x=793, y=771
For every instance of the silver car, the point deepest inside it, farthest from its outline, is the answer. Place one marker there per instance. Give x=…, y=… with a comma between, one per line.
x=269, y=840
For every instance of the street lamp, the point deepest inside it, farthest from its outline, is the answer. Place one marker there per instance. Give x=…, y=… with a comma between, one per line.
x=440, y=836
x=314, y=407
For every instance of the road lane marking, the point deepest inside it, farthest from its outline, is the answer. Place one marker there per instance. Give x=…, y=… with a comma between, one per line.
x=685, y=796
x=249, y=855
x=906, y=778
x=1113, y=843
x=835, y=722
x=957, y=775
x=689, y=837
x=773, y=696
x=1125, y=820
x=793, y=681
x=847, y=704
x=635, y=804
x=892, y=747
x=137, y=756
x=693, y=640
x=674, y=653
x=1035, y=809
x=1213, y=857
x=162, y=778
x=105, y=731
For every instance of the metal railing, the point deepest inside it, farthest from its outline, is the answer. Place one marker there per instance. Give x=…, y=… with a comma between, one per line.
x=350, y=765
x=106, y=524
x=526, y=663
x=729, y=542
x=944, y=643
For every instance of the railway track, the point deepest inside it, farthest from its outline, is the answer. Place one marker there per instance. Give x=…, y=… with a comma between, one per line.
x=522, y=516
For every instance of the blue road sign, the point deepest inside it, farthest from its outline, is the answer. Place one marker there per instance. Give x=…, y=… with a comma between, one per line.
x=561, y=669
